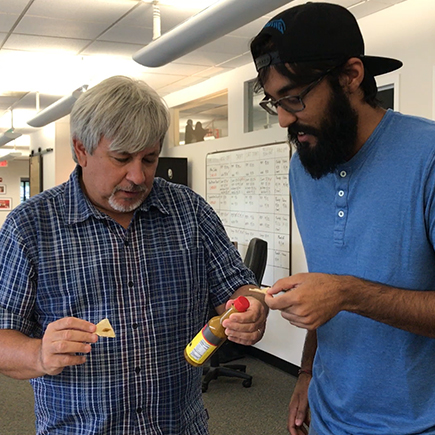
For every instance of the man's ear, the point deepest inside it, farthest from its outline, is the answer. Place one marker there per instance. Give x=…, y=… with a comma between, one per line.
x=353, y=75
x=81, y=154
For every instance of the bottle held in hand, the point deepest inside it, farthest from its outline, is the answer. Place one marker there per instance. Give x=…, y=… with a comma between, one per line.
x=212, y=336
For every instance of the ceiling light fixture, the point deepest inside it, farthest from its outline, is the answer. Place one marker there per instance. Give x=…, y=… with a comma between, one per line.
x=206, y=26
x=8, y=135
x=57, y=110
x=10, y=156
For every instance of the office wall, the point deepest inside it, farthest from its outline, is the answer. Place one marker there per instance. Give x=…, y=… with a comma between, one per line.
x=41, y=140
x=64, y=162
x=11, y=177
x=58, y=163
x=405, y=31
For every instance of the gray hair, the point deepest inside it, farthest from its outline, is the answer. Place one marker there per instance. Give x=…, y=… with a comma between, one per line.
x=124, y=110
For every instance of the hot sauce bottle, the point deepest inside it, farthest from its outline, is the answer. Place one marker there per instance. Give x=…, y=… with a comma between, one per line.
x=212, y=336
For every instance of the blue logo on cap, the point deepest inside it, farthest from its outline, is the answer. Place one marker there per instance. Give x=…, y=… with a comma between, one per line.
x=276, y=24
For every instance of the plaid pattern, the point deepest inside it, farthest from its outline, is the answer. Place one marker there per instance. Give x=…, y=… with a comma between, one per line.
x=154, y=281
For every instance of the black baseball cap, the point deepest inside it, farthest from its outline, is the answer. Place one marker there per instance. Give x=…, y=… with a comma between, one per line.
x=317, y=32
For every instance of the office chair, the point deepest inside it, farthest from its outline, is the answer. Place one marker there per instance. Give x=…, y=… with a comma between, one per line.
x=255, y=259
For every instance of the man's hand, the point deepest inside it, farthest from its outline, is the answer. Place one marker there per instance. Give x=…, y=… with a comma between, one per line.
x=62, y=340
x=246, y=328
x=310, y=299
x=298, y=408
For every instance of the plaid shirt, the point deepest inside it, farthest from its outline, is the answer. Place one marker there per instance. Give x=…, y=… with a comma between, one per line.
x=154, y=281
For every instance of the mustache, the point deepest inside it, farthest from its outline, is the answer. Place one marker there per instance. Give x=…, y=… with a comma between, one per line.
x=130, y=188
x=296, y=128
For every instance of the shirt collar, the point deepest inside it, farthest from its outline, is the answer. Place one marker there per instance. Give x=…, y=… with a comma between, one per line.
x=154, y=199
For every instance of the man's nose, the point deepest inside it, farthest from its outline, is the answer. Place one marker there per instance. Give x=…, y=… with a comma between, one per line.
x=136, y=173
x=285, y=119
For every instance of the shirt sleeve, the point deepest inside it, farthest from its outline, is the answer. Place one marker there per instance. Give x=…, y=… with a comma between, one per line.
x=17, y=282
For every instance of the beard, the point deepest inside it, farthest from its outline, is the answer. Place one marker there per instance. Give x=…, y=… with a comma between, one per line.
x=336, y=137
x=120, y=206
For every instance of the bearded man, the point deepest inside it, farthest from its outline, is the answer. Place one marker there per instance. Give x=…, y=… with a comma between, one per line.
x=363, y=187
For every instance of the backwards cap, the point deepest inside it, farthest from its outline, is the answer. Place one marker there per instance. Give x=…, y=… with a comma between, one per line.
x=317, y=32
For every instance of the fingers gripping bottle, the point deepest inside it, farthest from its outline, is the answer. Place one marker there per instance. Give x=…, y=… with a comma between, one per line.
x=212, y=336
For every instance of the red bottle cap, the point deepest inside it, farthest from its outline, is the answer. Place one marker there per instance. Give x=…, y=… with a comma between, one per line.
x=241, y=304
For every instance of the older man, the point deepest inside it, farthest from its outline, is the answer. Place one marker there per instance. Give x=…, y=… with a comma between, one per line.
x=114, y=242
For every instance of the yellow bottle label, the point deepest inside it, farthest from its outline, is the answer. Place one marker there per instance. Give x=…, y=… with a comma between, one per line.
x=199, y=349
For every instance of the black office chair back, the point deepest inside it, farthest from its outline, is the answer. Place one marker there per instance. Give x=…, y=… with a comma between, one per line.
x=256, y=258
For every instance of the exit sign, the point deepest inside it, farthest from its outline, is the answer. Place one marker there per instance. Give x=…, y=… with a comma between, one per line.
x=4, y=164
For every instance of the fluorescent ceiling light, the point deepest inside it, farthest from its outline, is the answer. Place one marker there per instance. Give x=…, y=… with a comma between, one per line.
x=10, y=156
x=61, y=73
x=8, y=136
x=20, y=119
x=206, y=26
x=57, y=110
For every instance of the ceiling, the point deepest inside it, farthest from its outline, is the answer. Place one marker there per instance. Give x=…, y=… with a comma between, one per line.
x=49, y=48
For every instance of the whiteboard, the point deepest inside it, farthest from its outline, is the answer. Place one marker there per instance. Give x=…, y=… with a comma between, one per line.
x=249, y=190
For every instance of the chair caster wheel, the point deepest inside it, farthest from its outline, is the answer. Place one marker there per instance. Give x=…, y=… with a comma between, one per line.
x=247, y=383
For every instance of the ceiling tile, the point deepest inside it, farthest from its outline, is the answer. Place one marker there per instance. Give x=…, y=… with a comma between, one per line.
x=2, y=37
x=228, y=45
x=361, y=10
x=6, y=102
x=7, y=21
x=159, y=80
x=179, y=68
x=96, y=11
x=390, y=2
x=58, y=27
x=212, y=71
x=238, y=61
x=13, y=7
x=204, y=58
x=184, y=83
x=122, y=32
x=111, y=48
x=250, y=30
x=44, y=43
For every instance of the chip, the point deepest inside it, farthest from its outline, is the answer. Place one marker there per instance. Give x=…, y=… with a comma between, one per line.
x=104, y=329
x=263, y=291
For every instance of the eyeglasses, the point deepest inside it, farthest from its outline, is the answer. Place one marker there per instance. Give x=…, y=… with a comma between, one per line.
x=290, y=103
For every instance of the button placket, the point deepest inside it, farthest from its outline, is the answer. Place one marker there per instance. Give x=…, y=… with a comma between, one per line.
x=129, y=287
x=341, y=205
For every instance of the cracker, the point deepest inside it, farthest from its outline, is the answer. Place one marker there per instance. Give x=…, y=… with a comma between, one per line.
x=263, y=291
x=104, y=329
